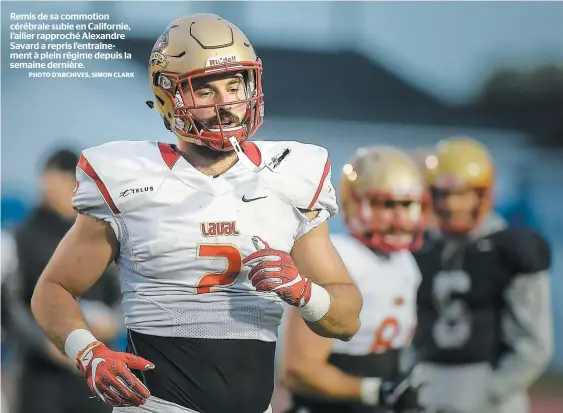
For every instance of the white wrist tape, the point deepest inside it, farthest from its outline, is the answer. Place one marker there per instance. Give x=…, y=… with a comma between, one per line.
x=370, y=390
x=77, y=341
x=318, y=305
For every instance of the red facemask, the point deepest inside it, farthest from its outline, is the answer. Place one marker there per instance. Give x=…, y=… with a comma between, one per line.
x=176, y=87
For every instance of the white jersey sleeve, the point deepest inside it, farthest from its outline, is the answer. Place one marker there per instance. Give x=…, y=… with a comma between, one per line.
x=88, y=197
x=107, y=174
x=300, y=175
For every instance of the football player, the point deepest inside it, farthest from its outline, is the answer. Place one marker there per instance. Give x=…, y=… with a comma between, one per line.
x=384, y=201
x=424, y=158
x=212, y=235
x=484, y=319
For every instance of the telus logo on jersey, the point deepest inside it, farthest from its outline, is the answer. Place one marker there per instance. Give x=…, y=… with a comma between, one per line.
x=212, y=229
x=135, y=191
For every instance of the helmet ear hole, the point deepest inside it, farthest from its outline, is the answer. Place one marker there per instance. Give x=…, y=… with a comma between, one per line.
x=155, y=78
x=167, y=124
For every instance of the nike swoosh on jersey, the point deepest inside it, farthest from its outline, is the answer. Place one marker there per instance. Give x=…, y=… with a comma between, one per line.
x=245, y=199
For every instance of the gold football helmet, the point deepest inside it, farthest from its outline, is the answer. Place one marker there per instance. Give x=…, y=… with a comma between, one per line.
x=461, y=164
x=384, y=200
x=424, y=157
x=201, y=45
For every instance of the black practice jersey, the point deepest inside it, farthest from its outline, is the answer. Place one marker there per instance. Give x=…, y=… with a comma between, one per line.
x=461, y=296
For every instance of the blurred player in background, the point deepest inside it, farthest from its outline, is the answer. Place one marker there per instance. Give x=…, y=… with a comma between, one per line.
x=484, y=318
x=48, y=381
x=384, y=201
x=425, y=159
x=211, y=235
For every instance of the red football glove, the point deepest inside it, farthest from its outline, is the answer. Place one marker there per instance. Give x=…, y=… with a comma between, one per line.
x=108, y=375
x=274, y=270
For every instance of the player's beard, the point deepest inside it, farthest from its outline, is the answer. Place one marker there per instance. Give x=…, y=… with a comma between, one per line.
x=210, y=154
x=228, y=119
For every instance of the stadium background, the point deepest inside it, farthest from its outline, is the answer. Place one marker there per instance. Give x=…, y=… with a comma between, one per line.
x=342, y=75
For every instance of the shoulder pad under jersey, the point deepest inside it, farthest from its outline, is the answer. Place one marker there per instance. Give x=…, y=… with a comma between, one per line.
x=351, y=253
x=346, y=245
x=525, y=251
x=413, y=264
x=299, y=174
x=118, y=176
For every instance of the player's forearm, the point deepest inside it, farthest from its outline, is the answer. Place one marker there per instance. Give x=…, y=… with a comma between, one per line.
x=342, y=320
x=323, y=381
x=56, y=311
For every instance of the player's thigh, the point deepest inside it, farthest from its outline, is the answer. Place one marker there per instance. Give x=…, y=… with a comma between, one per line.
x=156, y=405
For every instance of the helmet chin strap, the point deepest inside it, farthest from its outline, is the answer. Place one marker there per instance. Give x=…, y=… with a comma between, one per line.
x=270, y=165
x=250, y=165
x=242, y=156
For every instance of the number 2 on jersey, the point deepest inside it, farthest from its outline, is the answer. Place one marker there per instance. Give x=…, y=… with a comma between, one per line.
x=231, y=254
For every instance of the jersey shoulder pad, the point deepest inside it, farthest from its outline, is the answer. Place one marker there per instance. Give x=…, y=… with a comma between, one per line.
x=525, y=251
x=300, y=174
x=350, y=251
x=117, y=177
x=411, y=265
x=346, y=245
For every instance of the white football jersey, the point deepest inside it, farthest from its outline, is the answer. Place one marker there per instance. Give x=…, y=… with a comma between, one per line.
x=389, y=287
x=183, y=234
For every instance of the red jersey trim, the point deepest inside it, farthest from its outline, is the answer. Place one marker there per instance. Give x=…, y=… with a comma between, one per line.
x=251, y=150
x=88, y=170
x=169, y=155
x=320, y=187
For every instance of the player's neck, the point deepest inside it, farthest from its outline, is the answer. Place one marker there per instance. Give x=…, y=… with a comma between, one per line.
x=206, y=160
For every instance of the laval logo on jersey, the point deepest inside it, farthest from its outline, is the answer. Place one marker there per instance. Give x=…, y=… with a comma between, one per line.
x=135, y=191
x=212, y=229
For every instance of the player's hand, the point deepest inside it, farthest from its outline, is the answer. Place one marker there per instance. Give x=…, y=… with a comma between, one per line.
x=108, y=375
x=401, y=395
x=274, y=270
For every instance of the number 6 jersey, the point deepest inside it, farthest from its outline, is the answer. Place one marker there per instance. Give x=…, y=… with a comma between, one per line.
x=183, y=234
